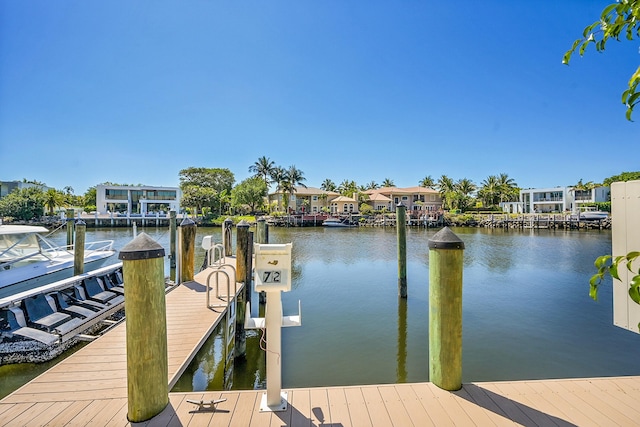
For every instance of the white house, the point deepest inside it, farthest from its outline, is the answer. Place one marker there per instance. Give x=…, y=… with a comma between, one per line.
x=556, y=199
x=142, y=200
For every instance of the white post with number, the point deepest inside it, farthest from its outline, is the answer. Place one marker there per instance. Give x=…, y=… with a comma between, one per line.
x=273, y=275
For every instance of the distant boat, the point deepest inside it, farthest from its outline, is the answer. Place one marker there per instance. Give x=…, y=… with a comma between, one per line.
x=336, y=222
x=29, y=260
x=593, y=215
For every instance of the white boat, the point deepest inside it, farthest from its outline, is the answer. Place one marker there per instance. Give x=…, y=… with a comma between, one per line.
x=29, y=260
x=336, y=222
x=593, y=215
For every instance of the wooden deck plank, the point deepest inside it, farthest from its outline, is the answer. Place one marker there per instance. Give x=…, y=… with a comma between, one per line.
x=450, y=403
x=513, y=410
x=243, y=410
x=376, y=407
x=482, y=399
x=338, y=407
x=224, y=410
x=65, y=417
x=417, y=413
x=574, y=414
x=579, y=389
x=300, y=403
x=320, y=411
x=395, y=406
x=479, y=415
x=358, y=412
x=523, y=397
x=432, y=406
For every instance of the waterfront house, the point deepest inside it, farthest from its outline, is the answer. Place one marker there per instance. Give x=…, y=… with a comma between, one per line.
x=419, y=201
x=137, y=200
x=556, y=199
x=344, y=205
x=307, y=200
x=7, y=187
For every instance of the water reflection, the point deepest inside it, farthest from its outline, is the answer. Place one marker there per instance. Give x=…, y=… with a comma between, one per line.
x=526, y=310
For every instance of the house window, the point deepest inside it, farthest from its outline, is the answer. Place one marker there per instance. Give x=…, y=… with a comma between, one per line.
x=396, y=200
x=405, y=198
x=350, y=207
x=344, y=208
x=315, y=209
x=433, y=198
x=314, y=198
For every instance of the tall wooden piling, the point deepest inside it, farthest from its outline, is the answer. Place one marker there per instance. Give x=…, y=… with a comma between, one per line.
x=146, y=332
x=227, y=230
x=187, y=237
x=172, y=239
x=69, y=213
x=249, y=265
x=78, y=247
x=242, y=250
x=445, y=310
x=262, y=231
x=401, y=232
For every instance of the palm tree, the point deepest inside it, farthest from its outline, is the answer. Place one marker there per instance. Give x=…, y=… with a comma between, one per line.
x=278, y=176
x=447, y=190
x=507, y=187
x=388, y=183
x=263, y=168
x=53, y=199
x=292, y=177
x=489, y=191
x=465, y=188
x=347, y=188
x=427, y=182
x=372, y=186
x=328, y=185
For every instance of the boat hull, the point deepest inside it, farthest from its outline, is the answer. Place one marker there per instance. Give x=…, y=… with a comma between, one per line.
x=47, y=272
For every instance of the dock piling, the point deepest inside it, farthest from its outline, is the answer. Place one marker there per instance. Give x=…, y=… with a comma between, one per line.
x=401, y=232
x=78, y=247
x=242, y=251
x=187, y=234
x=227, y=229
x=146, y=332
x=445, y=310
x=172, y=239
x=70, y=226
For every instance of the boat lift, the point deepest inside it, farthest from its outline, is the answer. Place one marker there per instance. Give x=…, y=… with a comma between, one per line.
x=272, y=276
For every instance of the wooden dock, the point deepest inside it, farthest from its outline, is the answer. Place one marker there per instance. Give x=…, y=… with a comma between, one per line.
x=90, y=388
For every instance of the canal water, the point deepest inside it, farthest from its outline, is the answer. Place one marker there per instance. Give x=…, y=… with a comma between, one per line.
x=526, y=310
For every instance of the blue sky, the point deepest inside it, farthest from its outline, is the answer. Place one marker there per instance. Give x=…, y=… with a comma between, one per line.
x=134, y=91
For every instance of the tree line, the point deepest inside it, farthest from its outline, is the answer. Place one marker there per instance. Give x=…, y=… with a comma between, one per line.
x=212, y=192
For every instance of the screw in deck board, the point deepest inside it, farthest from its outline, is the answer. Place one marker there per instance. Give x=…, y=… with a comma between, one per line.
x=401, y=231
x=146, y=332
x=445, y=310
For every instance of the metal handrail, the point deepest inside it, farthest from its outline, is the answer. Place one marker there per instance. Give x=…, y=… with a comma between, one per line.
x=229, y=296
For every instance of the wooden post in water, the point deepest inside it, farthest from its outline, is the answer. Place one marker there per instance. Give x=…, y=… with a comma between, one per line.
x=242, y=251
x=445, y=310
x=401, y=231
x=147, y=360
x=172, y=239
x=249, y=265
x=227, y=230
x=262, y=231
x=70, y=229
x=187, y=236
x=78, y=248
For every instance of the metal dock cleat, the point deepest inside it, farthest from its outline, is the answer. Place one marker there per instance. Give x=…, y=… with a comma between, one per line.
x=204, y=405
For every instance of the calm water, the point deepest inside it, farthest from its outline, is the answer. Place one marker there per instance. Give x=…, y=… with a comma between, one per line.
x=526, y=312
